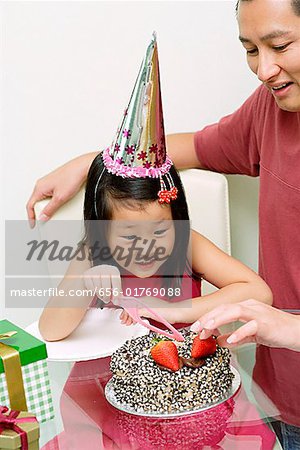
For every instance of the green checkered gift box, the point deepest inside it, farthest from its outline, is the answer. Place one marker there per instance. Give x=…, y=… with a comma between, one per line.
x=24, y=379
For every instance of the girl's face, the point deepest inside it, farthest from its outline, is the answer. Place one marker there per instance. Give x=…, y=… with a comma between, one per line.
x=141, y=239
x=270, y=33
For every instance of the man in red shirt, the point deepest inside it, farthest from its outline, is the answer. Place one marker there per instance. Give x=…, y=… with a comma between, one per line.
x=262, y=138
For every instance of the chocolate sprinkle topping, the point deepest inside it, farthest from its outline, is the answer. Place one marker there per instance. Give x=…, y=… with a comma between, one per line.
x=141, y=384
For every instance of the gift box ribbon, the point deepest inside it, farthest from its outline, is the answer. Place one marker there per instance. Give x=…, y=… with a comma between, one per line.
x=10, y=422
x=13, y=374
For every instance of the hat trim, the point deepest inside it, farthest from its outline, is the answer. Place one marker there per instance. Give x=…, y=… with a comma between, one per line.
x=134, y=172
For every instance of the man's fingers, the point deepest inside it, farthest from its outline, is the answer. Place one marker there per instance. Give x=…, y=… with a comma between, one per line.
x=205, y=334
x=243, y=335
x=208, y=320
x=246, y=331
x=30, y=208
x=228, y=314
x=53, y=205
x=223, y=342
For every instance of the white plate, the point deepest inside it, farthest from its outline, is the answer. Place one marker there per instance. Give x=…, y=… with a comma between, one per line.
x=111, y=398
x=99, y=334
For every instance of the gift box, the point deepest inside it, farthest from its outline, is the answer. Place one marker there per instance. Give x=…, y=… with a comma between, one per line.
x=24, y=378
x=18, y=430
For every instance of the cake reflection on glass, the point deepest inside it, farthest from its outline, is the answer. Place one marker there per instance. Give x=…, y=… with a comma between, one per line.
x=189, y=432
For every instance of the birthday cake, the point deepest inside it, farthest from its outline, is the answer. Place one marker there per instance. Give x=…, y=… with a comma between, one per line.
x=154, y=377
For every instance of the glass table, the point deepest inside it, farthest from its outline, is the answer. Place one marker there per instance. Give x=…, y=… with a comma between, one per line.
x=240, y=425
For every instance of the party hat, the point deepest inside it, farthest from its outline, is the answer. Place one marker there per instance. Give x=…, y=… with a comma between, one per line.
x=139, y=148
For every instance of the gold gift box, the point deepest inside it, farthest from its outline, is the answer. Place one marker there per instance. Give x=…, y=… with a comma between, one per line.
x=10, y=439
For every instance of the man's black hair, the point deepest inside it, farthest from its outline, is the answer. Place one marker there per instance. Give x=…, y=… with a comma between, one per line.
x=294, y=3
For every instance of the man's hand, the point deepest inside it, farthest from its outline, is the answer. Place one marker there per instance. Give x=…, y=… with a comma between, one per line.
x=263, y=325
x=60, y=186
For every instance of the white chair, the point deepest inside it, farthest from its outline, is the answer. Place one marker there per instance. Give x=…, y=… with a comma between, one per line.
x=207, y=197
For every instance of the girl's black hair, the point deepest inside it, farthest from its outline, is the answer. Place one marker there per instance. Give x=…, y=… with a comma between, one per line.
x=134, y=193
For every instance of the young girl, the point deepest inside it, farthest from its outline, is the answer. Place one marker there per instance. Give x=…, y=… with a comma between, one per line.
x=138, y=239
x=130, y=210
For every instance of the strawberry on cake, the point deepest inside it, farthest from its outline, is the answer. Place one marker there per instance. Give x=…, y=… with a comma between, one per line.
x=155, y=375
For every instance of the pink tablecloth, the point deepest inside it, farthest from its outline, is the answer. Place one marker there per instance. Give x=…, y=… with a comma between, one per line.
x=90, y=422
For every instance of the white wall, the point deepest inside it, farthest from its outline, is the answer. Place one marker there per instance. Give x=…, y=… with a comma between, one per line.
x=69, y=68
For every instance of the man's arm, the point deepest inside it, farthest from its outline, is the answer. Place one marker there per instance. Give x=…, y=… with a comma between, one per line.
x=181, y=149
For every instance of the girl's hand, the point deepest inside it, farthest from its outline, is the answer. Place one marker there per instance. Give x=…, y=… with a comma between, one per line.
x=126, y=319
x=105, y=281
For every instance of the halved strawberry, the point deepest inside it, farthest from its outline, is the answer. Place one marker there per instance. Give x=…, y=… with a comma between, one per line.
x=165, y=354
x=203, y=347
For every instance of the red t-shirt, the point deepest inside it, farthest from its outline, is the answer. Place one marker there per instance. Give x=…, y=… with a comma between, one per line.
x=260, y=139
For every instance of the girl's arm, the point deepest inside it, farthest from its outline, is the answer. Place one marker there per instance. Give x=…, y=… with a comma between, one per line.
x=63, y=314
x=235, y=281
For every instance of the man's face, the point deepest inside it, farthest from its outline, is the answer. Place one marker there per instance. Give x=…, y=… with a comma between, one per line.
x=270, y=33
